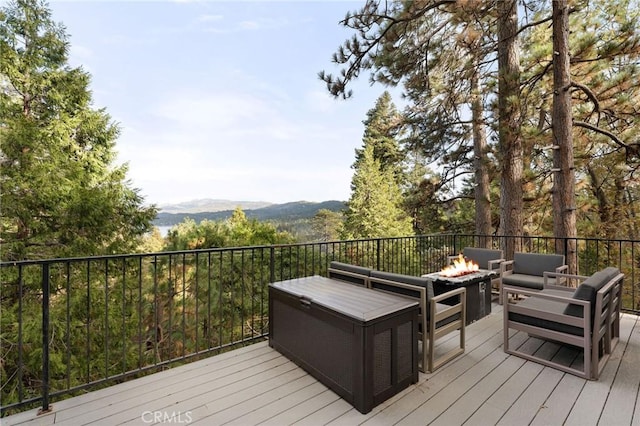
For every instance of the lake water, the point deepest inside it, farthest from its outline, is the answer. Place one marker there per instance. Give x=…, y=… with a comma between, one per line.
x=164, y=230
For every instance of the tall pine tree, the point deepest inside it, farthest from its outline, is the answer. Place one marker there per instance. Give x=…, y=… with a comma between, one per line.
x=375, y=206
x=62, y=194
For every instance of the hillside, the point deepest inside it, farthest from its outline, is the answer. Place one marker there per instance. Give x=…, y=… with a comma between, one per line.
x=287, y=212
x=211, y=205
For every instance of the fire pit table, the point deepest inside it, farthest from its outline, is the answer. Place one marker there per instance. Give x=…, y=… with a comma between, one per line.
x=478, y=285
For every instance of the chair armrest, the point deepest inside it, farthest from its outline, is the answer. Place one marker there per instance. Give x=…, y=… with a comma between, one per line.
x=453, y=310
x=526, y=292
x=561, y=277
x=581, y=322
x=460, y=292
x=562, y=269
x=569, y=290
x=494, y=264
x=504, y=267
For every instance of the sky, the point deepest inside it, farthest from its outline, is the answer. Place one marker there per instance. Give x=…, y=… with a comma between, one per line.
x=221, y=99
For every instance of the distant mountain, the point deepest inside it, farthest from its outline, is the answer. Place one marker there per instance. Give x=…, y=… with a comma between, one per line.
x=211, y=205
x=286, y=212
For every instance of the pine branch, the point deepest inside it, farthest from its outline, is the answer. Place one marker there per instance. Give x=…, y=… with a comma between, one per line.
x=534, y=24
x=592, y=97
x=357, y=54
x=631, y=149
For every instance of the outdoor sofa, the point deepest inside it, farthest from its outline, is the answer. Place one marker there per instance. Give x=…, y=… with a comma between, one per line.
x=586, y=317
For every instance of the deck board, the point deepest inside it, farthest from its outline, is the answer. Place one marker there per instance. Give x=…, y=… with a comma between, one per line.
x=616, y=410
x=256, y=385
x=594, y=394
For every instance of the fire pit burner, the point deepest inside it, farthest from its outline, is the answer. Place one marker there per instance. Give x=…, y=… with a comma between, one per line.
x=459, y=268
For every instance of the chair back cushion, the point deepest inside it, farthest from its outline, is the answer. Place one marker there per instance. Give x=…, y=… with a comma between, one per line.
x=351, y=269
x=536, y=263
x=406, y=279
x=482, y=256
x=588, y=290
x=348, y=267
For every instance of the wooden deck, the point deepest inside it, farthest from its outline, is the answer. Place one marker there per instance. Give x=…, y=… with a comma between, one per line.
x=256, y=385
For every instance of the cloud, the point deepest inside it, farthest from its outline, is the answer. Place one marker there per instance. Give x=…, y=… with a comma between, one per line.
x=209, y=18
x=321, y=101
x=225, y=144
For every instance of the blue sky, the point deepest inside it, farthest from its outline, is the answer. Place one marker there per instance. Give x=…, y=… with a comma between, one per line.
x=221, y=99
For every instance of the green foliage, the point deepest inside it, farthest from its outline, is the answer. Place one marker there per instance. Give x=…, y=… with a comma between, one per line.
x=375, y=206
x=604, y=40
x=236, y=232
x=374, y=209
x=438, y=52
x=61, y=193
x=326, y=225
x=381, y=132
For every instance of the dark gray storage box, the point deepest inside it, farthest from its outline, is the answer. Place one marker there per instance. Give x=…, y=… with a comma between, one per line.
x=361, y=343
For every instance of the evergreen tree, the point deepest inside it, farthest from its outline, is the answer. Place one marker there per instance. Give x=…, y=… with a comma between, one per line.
x=374, y=207
x=410, y=43
x=326, y=225
x=62, y=194
x=604, y=88
x=393, y=40
x=382, y=128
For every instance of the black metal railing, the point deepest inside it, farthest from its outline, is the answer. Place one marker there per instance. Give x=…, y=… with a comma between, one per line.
x=73, y=324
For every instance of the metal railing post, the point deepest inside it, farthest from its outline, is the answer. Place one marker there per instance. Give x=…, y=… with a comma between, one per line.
x=272, y=264
x=45, y=339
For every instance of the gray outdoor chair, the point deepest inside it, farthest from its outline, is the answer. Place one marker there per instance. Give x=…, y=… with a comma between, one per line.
x=352, y=274
x=527, y=270
x=436, y=319
x=587, y=318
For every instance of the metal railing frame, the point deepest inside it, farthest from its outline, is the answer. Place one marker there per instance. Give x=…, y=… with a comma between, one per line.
x=249, y=271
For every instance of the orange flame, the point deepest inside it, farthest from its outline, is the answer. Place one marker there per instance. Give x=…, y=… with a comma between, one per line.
x=459, y=267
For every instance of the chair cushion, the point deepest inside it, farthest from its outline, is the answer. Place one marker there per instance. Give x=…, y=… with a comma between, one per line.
x=406, y=279
x=536, y=263
x=482, y=256
x=528, y=281
x=588, y=290
x=545, y=305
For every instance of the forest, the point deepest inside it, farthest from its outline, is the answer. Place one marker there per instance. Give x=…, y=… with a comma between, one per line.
x=521, y=119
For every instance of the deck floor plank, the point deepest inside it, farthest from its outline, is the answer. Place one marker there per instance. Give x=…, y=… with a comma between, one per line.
x=303, y=410
x=485, y=386
x=617, y=411
x=595, y=393
x=480, y=340
x=131, y=403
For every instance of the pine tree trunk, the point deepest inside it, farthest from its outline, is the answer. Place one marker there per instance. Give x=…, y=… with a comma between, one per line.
x=482, y=197
x=564, y=203
x=510, y=140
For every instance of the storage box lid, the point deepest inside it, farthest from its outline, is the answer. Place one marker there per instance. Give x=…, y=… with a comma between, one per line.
x=356, y=302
